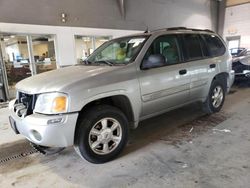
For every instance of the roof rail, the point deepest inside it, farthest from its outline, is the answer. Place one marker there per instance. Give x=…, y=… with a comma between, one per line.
x=176, y=28
x=184, y=28
x=207, y=30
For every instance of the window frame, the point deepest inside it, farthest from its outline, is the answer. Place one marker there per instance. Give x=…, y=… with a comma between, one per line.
x=219, y=38
x=179, y=48
x=186, y=56
x=202, y=40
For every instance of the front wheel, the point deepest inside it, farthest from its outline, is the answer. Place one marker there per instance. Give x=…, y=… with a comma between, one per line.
x=215, y=99
x=101, y=134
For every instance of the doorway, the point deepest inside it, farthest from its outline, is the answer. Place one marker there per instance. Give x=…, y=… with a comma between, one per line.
x=24, y=56
x=233, y=42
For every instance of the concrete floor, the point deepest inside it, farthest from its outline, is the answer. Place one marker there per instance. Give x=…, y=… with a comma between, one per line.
x=182, y=148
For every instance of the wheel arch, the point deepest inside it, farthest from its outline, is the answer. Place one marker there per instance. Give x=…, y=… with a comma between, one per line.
x=122, y=102
x=223, y=78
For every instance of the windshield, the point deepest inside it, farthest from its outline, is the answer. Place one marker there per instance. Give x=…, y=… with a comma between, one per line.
x=117, y=51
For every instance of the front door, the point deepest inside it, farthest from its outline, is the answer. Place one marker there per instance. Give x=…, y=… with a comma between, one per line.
x=165, y=86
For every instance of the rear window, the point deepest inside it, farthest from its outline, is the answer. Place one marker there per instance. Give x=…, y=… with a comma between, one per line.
x=193, y=47
x=214, y=45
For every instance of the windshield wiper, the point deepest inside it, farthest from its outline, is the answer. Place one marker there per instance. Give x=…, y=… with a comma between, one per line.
x=105, y=62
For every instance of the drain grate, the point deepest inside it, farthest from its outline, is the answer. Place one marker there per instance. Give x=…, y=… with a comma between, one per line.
x=16, y=150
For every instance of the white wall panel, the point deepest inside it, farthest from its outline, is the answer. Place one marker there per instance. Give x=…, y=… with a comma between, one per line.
x=237, y=23
x=65, y=42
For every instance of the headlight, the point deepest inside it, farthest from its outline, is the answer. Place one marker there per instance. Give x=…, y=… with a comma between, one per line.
x=51, y=103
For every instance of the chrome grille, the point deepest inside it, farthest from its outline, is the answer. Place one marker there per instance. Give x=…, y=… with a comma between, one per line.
x=24, y=104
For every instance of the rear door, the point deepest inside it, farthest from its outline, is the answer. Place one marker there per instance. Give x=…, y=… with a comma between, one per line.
x=203, y=56
x=168, y=85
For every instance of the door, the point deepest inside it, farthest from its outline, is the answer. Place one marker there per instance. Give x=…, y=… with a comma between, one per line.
x=15, y=60
x=233, y=42
x=23, y=53
x=166, y=85
x=203, y=54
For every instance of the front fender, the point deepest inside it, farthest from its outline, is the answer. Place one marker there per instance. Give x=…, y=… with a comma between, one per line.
x=133, y=97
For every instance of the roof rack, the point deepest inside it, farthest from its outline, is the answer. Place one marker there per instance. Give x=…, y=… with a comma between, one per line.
x=184, y=28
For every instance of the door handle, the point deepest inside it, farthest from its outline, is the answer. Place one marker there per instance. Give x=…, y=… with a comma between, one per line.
x=183, y=71
x=212, y=66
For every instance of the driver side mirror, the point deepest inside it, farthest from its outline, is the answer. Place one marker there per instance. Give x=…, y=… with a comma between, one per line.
x=153, y=61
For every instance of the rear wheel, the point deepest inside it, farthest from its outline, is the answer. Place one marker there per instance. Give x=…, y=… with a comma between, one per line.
x=216, y=97
x=101, y=134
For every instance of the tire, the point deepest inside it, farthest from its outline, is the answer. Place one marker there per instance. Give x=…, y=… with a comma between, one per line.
x=210, y=106
x=101, y=134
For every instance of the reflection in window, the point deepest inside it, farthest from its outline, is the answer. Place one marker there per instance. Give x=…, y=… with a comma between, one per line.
x=44, y=53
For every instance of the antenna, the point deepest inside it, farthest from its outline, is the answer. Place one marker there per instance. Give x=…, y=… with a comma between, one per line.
x=146, y=31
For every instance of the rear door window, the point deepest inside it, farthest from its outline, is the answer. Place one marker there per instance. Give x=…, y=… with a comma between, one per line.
x=193, y=47
x=214, y=45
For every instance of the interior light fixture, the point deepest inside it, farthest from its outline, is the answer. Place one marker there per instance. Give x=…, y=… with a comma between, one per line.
x=64, y=17
x=103, y=40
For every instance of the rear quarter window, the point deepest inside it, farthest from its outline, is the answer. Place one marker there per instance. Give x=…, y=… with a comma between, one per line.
x=214, y=45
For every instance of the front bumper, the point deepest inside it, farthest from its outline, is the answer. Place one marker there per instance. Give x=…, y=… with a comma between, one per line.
x=36, y=129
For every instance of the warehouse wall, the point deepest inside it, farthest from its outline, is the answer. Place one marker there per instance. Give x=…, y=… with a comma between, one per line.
x=106, y=14
x=237, y=23
x=65, y=41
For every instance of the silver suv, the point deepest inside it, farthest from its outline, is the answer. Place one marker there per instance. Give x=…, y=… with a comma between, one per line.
x=92, y=105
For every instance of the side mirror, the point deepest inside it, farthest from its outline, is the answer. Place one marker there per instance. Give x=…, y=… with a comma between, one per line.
x=153, y=61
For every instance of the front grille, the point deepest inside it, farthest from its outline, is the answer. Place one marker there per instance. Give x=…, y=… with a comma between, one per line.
x=24, y=104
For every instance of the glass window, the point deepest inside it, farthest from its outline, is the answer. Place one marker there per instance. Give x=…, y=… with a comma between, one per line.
x=193, y=47
x=44, y=53
x=84, y=47
x=16, y=59
x=214, y=44
x=117, y=51
x=204, y=48
x=167, y=46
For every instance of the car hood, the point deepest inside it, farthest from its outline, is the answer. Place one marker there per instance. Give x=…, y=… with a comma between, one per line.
x=59, y=79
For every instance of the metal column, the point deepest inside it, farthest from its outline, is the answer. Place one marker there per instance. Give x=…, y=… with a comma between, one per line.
x=31, y=55
x=4, y=92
